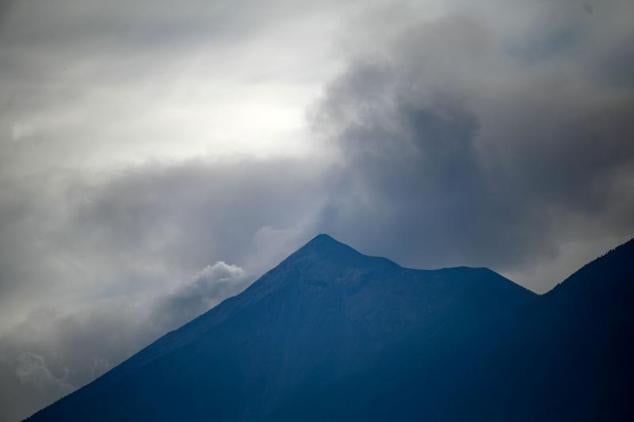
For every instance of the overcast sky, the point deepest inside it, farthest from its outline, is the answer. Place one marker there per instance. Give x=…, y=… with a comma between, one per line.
x=156, y=156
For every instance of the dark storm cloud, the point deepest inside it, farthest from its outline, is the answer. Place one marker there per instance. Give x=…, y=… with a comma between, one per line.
x=87, y=229
x=195, y=210
x=461, y=148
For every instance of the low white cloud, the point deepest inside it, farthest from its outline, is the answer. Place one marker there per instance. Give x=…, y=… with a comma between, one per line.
x=208, y=287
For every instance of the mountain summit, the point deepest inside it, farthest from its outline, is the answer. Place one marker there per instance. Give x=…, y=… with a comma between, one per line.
x=324, y=242
x=332, y=334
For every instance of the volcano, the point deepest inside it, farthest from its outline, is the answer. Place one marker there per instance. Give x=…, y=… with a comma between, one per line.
x=332, y=334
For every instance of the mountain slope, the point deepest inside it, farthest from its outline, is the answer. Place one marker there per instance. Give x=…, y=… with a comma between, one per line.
x=566, y=356
x=569, y=354
x=326, y=333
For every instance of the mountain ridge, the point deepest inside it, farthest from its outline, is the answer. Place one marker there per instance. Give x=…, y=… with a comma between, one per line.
x=311, y=337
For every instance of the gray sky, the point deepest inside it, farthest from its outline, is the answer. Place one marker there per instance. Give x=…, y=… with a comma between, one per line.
x=156, y=157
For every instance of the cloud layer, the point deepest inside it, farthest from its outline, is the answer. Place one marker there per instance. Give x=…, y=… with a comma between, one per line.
x=54, y=351
x=95, y=267
x=155, y=160
x=459, y=136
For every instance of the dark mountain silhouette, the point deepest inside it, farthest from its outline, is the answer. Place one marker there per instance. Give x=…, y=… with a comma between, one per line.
x=331, y=334
x=569, y=355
